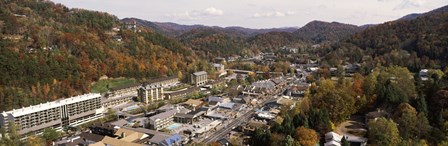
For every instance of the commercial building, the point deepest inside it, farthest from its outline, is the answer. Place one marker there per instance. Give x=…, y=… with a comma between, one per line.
x=130, y=89
x=165, y=81
x=72, y=111
x=199, y=78
x=153, y=90
x=116, y=100
x=181, y=93
x=162, y=120
x=150, y=93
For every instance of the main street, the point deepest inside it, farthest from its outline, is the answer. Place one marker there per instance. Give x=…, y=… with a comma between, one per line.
x=236, y=122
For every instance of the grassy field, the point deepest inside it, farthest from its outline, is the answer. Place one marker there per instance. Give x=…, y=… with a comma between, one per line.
x=101, y=86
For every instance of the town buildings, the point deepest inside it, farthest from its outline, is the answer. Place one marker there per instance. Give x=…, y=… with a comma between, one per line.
x=72, y=111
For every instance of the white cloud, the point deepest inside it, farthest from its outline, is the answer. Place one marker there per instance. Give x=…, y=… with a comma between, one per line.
x=197, y=14
x=213, y=11
x=273, y=14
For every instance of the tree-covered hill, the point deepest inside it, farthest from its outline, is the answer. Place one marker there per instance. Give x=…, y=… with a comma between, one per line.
x=418, y=43
x=48, y=51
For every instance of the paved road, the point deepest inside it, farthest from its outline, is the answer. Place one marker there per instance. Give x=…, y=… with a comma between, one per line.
x=223, y=131
x=215, y=136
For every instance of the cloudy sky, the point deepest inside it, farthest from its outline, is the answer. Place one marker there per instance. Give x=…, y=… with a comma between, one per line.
x=259, y=13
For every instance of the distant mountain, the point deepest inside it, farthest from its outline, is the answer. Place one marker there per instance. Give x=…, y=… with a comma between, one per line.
x=169, y=29
x=416, y=15
x=319, y=31
x=175, y=30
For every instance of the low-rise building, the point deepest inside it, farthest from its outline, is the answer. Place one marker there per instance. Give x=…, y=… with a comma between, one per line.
x=116, y=100
x=199, y=78
x=164, y=81
x=130, y=89
x=103, y=129
x=181, y=93
x=162, y=120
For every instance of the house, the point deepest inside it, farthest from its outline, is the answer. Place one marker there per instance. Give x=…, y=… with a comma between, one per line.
x=199, y=78
x=423, y=74
x=335, y=139
x=193, y=103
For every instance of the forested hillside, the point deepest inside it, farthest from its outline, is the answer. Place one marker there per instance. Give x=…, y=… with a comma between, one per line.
x=318, y=31
x=418, y=43
x=48, y=51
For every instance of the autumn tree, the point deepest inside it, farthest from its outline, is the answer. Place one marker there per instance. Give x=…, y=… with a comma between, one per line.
x=409, y=124
x=334, y=99
x=306, y=137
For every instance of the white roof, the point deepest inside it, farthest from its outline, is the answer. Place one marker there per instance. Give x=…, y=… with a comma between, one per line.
x=332, y=143
x=200, y=73
x=333, y=136
x=50, y=105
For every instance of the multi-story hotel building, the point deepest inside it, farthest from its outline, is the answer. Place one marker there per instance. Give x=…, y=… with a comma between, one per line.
x=153, y=90
x=72, y=111
x=199, y=78
x=150, y=93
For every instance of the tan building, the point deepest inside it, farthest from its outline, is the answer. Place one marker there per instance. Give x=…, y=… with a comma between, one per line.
x=199, y=78
x=72, y=111
x=164, y=81
x=130, y=89
x=181, y=93
x=150, y=93
x=162, y=120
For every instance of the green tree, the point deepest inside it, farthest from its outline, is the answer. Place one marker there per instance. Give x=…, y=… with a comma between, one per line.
x=111, y=115
x=344, y=141
x=35, y=141
x=50, y=134
x=10, y=135
x=289, y=141
x=261, y=137
x=383, y=132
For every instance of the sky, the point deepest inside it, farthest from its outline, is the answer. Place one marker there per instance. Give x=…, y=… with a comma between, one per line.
x=259, y=13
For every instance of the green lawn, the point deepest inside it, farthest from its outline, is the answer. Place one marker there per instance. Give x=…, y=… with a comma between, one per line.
x=101, y=86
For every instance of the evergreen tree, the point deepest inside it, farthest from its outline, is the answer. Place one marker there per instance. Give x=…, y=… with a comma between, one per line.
x=344, y=141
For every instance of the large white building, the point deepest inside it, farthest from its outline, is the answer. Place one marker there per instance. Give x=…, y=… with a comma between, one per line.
x=72, y=111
